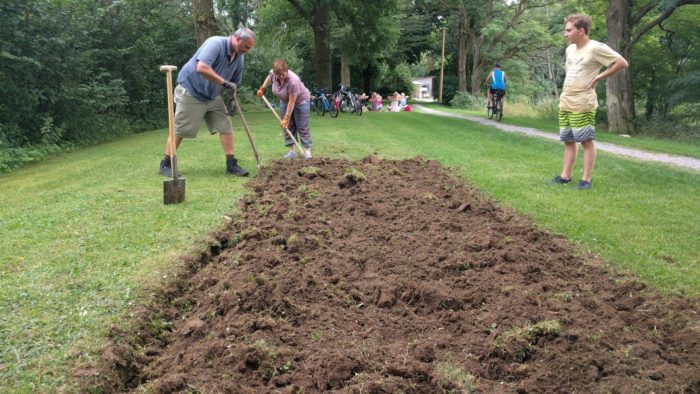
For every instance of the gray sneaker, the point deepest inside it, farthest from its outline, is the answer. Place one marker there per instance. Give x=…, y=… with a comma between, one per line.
x=232, y=168
x=583, y=185
x=559, y=180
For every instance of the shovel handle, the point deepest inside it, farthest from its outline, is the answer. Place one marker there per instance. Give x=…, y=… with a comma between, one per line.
x=171, y=116
x=247, y=131
x=289, y=133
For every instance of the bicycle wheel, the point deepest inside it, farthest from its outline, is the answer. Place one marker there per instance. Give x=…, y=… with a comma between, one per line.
x=327, y=103
x=320, y=106
x=499, y=110
x=335, y=106
x=345, y=105
x=489, y=111
x=358, y=107
x=315, y=103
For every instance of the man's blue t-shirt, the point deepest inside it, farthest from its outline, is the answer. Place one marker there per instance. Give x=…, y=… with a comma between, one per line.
x=497, y=80
x=216, y=52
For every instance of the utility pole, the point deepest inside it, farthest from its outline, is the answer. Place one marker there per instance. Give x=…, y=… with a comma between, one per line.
x=442, y=61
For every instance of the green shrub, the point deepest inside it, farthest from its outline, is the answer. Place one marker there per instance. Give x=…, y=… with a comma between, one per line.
x=50, y=134
x=393, y=80
x=467, y=100
x=547, y=108
x=668, y=129
x=13, y=158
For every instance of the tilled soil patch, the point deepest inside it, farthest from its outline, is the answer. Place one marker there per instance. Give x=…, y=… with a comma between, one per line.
x=394, y=276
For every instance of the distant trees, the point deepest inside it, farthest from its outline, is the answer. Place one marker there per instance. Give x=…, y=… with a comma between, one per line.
x=628, y=21
x=81, y=71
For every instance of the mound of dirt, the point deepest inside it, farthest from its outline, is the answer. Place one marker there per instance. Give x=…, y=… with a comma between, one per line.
x=394, y=276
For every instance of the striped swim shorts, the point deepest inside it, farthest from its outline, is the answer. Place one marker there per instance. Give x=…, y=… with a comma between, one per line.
x=576, y=126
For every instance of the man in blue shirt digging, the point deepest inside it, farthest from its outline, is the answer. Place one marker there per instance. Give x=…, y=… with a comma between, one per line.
x=217, y=64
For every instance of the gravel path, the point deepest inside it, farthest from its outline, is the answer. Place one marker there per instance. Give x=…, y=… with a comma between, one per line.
x=680, y=161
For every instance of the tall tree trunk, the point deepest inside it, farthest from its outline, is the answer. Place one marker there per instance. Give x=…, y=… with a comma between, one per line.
x=477, y=42
x=204, y=21
x=323, y=61
x=618, y=88
x=344, y=68
x=462, y=49
x=476, y=66
x=319, y=16
x=551, y=74
x=367, y=75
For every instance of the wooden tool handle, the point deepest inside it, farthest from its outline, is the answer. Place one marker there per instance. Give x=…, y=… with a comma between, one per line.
x=171, y=115
x=289, y=133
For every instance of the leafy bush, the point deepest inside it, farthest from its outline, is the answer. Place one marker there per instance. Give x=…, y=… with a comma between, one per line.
x=466, y=100
x=548, y=108
x=393, y=80
x=675, y=129
x=14, y=158
x=50, y=134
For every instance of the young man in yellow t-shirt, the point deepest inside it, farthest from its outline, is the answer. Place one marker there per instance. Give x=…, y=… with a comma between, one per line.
x=578, y=100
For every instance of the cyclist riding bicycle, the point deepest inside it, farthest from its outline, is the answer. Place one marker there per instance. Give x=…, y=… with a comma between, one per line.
x=496, y=81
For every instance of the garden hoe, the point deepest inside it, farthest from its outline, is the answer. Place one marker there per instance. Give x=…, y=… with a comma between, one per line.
x=289, y=133
x=234, y=100
x=173, y=189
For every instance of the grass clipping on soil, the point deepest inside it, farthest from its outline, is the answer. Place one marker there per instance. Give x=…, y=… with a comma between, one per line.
x=395, y=276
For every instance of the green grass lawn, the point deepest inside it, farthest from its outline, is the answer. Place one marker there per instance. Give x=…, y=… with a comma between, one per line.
x=691, y=149
x=85, y=234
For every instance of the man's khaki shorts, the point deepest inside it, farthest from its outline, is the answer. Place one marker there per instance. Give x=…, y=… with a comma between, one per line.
x=189, y=113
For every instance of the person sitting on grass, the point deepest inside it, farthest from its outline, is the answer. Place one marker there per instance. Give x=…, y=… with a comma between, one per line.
x=394, y=102
x=363, y=98
x=380, y=104
x=373, y=102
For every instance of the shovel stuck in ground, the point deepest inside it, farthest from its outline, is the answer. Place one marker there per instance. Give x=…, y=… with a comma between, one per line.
x=173, y=189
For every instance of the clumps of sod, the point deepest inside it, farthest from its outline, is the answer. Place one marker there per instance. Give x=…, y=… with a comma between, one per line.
x=351, y=177
x=518, y=343
x=452, y=378
x=310, y=172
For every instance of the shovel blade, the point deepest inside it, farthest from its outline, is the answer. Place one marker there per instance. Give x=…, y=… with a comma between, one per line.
x=174, y=191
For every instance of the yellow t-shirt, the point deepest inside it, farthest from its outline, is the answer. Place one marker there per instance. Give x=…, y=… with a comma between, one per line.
x=582, y=65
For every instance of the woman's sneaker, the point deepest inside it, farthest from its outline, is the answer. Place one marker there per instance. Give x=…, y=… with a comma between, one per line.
x=307, y=153
x=290, y=155
x=559, y=180
x=583, y=185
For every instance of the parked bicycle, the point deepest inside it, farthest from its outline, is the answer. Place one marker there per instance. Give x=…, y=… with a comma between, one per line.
x=346, y=101
x=496, y=107
x=321, y=102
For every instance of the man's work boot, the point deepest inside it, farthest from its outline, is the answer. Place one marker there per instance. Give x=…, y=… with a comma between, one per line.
x=232, y=167
x=165, y=168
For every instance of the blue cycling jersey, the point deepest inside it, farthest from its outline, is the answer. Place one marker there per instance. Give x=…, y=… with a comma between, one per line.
x=497, y=80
